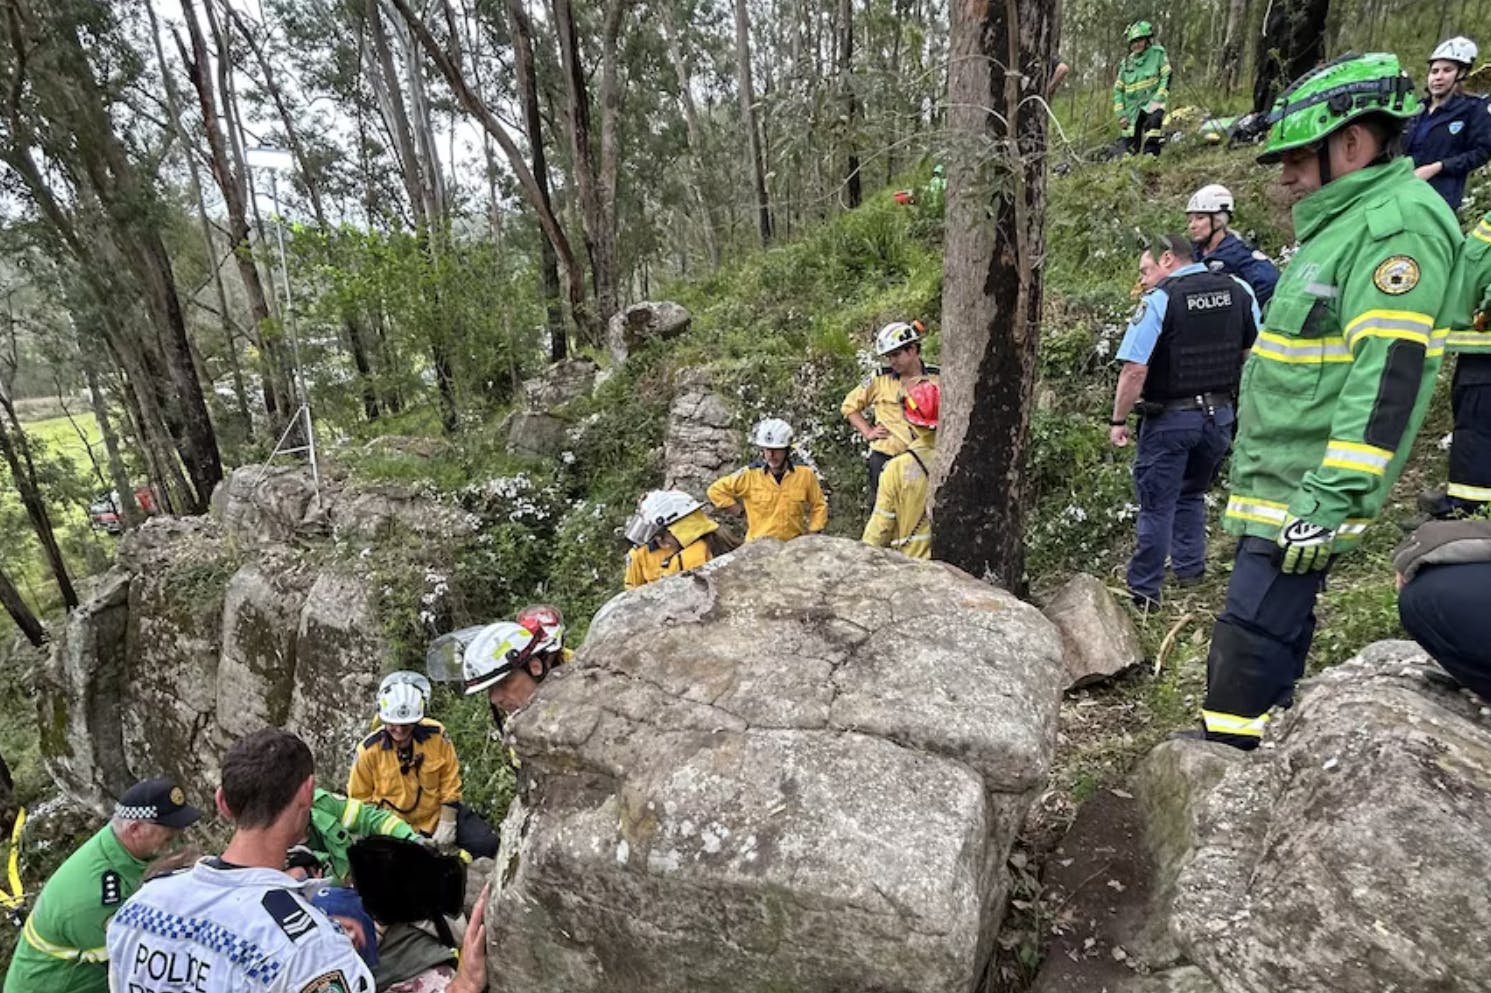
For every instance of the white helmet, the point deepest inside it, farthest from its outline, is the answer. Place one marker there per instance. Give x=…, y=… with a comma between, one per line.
x=664, y=507
x=896, y=335
x=405, y=677
x=772, y=433
x=1458, y=49
x=495, y=653
x=401, y=704
x=1211, y=199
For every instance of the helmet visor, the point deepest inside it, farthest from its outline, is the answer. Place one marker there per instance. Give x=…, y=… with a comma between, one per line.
x=639, y=530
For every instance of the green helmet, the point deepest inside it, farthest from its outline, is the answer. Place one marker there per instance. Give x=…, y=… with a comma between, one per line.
x=1139, y=29
x=1333, y=95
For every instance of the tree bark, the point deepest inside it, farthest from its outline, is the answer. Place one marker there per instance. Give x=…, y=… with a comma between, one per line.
x=15, y=606
x=1230, y=60
x=992, y=290
x=521, y=29
x=17, y=455
x=851, y=102
x=129, y=507
x=698, y=171
x=1292, y=43
x=756, y=161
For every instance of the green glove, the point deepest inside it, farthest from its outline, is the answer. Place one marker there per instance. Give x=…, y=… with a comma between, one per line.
x=1307, y=547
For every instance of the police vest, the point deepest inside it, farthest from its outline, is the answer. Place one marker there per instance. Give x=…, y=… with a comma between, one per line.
x=1202, y=339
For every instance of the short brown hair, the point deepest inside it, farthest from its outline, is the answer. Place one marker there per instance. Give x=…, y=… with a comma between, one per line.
x=261, y=773
x=1178, y=245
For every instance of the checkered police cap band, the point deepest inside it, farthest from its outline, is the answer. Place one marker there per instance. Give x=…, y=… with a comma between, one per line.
x=136, y=813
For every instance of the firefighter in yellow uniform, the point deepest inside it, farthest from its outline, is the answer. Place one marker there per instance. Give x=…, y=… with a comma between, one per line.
x=671, y=534
x=900, y=519
x=781, y=499
x=880, y=395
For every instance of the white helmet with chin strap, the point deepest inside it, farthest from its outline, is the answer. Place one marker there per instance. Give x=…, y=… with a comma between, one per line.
x=405, y=677
x=897, y=334
x=663, y=507
x=402, y=703
x=1458, y=49
x=495, y=653
x=772, y=433
x=1211, y=199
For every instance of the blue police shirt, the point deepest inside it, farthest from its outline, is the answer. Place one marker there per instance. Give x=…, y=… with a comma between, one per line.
x=1143, y=332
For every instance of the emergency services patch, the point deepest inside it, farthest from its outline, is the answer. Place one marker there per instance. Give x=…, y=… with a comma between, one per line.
x=289, y=913
x=1456, y=127
x=1139, y=311
x=330, y=982
x=1396, y=275
x=111, y=889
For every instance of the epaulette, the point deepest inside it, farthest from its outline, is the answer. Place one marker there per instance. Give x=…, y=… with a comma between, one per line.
x=932, y=370
x=1384, y=219
x=372, y=739
x=885, y=370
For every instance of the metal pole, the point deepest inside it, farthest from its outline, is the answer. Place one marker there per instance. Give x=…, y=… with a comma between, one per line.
x=305, y=396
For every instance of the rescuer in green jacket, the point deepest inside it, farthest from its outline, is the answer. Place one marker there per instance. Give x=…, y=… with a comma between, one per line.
x=338, y=821
x=1469, y=310
x=1339, y=379
x=1140, y=91
x=61, y=949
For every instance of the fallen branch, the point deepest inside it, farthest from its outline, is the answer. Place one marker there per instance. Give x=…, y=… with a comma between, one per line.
x=1159, y=659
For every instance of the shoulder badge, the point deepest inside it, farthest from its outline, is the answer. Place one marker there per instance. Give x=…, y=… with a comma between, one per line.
x=291, y=915
x=328, y=982
x=1138, y=314
x=1456, y=127
x=1216, y=265
x=111, y=889
x=1396, y=275
x=931, y=370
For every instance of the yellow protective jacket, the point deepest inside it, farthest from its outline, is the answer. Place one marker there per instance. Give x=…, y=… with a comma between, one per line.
x=881, y=394
x=653, y=561
x=414, y=788
x=785, y=510
x=900, y=519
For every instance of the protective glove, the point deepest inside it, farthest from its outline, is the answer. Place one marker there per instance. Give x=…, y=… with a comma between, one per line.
x=1307, y=546
x=445, y=831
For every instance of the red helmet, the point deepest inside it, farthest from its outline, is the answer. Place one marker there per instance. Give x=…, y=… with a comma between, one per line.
x=922, y=404
x=546, y=623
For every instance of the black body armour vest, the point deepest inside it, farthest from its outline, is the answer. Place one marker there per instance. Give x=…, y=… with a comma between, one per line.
x=1201, y=341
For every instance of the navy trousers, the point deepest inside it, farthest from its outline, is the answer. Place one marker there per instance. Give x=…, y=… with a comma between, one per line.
x=1259, y=643
x=1470, y=453
x=1447, y=609
x=1179, y=454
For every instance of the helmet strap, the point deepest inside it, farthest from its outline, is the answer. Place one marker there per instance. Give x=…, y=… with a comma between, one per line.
x=1323, y=158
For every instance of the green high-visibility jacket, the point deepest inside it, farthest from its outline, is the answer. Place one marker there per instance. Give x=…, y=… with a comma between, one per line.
x=61, y=948
x=338, y=821
x=1470, y=293
x=1141, y=79
x=1338, y=382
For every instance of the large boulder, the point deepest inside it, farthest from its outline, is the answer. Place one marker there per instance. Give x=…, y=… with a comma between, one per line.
x=641, y=322
x=560, y=383
x=759, y=776
x=537, y=434
x=1099, y=638
x=259, y=503
x=703, y=440
x=1352, y=852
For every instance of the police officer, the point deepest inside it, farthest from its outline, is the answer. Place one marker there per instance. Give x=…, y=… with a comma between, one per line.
x=62, y=943
x=237, y=922
x=1444, y=576
x=1208, y=214
x=1182, y=353
x=781, y=499
x=1469, y=309
x=1339, y=379
x=881, y=395
x=1140, y=91
x=901, y=519
x=1451, y=136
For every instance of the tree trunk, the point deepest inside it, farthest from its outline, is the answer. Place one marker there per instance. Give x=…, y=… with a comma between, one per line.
x=17, y=455
x=521, y=30
x=1292, y=43
x=1230, y=61
x=992, y=290
x=697, y=170
x=16, y=607
x=851, y=102
x=129, y=507
x=757, y=162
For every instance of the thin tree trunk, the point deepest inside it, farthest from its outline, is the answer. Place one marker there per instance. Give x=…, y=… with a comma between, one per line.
x=851, y=102
x=1230, y=61
x=17, y=455
x=118, y=475
x=697, y=172
x=521, y=29
x=15, y=606
x=992, y=292
x=748, y=118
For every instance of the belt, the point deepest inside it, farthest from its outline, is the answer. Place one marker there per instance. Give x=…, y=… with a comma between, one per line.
x=1198, y=401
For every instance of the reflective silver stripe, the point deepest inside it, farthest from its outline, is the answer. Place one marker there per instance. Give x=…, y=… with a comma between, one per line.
x=1277, y=347
x=1413, y=326
x=1233, y=724
x=889, y=514
x=1351, y=529
x=1347, y=456
x=1322, y=290
x=897, y=543
x=1465, y=491
x=1482, y=231
x=1272, y=513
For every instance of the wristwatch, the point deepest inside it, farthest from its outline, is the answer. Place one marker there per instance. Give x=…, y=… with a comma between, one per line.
x=1119, y=424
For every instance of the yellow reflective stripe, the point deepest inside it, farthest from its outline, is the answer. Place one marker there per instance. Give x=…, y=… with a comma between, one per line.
x=1475, y=339
x=1352, y=528
x=1405, y=324
x=1250, y=727
x=16, y=896
x=918, y=536
x=1482, y=231
x=93, y=956
x=350, y=812
x=1357, y=457
x=1278, y=348
x=1140, y=84
x=1253, y=509
x=1480, y=494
